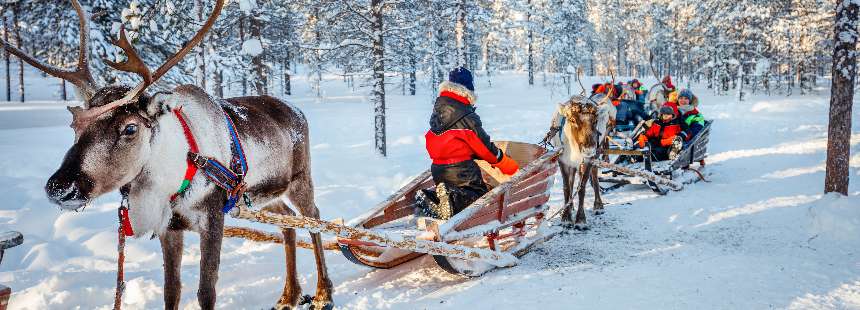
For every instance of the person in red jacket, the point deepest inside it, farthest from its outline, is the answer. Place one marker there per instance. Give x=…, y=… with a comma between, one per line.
x=454, y=140
x=665, y=135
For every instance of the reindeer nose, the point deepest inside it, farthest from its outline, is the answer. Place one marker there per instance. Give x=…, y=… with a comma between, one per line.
x=59, y=192
x=65, y=192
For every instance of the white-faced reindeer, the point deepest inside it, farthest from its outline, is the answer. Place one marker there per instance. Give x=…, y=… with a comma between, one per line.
x=583, y=124
x=126, y=138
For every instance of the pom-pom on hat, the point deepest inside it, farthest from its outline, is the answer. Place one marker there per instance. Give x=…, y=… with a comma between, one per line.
x=462, y=76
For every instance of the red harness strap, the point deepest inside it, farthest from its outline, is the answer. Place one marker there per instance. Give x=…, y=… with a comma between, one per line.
x=191, y=169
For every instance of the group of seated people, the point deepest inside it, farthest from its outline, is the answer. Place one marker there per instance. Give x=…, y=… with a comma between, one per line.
x=677, y=121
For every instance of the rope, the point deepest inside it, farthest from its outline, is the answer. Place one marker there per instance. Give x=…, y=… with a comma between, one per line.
x=120, y=270
x=699, y=173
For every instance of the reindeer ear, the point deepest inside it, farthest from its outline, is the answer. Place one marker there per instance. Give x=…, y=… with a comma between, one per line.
x=159, y=104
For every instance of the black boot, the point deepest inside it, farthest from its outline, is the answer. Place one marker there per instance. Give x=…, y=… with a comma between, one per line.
x=445, y=208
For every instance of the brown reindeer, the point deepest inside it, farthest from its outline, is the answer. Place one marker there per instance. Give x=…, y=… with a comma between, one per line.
x=126, y=138
x=586, y=123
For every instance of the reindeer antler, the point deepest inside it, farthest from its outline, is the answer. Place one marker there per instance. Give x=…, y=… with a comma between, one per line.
x=579, y=73
x=134, y=64
x=80, y=76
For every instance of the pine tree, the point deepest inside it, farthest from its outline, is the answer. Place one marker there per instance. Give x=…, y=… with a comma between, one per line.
x=841, y=96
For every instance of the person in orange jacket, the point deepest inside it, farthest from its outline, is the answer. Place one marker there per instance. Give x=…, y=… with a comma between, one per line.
x=665, y=135
x=454, y=140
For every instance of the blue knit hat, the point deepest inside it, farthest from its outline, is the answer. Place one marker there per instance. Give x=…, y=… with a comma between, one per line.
x=686, y=93
x=462, y=76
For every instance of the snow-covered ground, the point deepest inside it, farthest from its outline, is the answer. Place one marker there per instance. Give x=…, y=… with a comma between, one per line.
x=760, y=235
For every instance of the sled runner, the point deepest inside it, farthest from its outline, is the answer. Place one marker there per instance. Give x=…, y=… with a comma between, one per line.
x=628, y=164
x=492, y=232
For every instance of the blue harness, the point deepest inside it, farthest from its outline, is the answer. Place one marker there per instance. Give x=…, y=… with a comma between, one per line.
x=232, y=179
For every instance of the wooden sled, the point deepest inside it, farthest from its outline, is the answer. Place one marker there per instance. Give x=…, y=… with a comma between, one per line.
x=629, y=163
x=507, y=219
x=492, y=232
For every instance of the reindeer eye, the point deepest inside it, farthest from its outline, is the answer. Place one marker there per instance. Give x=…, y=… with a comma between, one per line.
x=129, y=130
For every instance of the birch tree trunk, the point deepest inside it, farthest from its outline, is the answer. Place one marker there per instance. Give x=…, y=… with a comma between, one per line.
x=255, y=27
x=287, y=87
x=200, y=56
x=530, y=40
x=18, y=42
x=841, y=97
x=378, y=92
x=461, y=34
x=6, y=59
x=242, y=39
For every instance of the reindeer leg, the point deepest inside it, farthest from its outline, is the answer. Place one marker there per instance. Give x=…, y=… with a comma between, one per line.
x=595, y=185
x=301, y=194
x=580, y=223
x=171, y=251
x=292, y=294
x=567, y=178
x=210, y=256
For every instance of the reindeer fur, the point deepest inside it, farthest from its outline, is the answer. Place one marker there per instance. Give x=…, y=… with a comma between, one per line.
x=586, y=126
x=275, y=139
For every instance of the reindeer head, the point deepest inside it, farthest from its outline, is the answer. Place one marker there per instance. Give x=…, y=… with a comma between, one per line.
x=114, y=130
x=108, y=152
x=581, y=115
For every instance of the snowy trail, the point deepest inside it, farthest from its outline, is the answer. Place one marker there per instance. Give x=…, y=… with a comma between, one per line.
x=760, y=235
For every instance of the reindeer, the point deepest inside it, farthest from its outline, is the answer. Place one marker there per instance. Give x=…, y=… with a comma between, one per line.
x=127, y=139
x=586, y=123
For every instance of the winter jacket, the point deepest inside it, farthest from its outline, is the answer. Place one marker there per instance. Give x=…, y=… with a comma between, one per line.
x=641, y=93
x=662, y=133
x=455, y=133
x=456, y=138
x=692, y=122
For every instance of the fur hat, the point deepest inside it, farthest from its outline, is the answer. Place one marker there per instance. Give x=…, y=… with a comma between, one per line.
x=462, y=76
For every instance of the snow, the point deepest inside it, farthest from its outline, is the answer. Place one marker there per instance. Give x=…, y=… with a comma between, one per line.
x=759, y=235
x=252, y=47
x=246, y=6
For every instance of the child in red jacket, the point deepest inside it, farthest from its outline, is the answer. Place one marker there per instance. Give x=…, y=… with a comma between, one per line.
x=454, y=140
x=665, y=135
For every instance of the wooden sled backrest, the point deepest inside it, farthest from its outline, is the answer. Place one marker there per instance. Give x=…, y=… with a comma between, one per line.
x=522, y=153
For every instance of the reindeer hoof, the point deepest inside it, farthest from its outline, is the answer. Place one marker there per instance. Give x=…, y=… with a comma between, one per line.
x=317, y=303
x=567, y=224
x=599, y=211
x=322, y=306
x=580, y=226
x=285, y=304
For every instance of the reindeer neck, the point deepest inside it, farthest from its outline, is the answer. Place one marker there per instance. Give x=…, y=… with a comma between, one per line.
x=165, y=170
x=571, y=154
